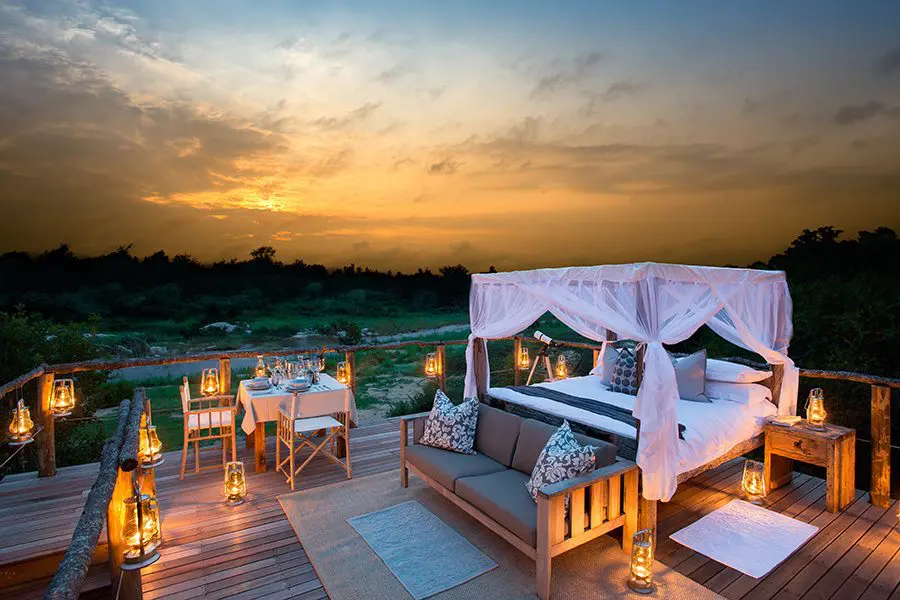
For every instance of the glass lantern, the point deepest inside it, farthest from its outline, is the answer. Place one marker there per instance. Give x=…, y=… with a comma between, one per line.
x=141, y=531
x=235, y=483
x=209, y=382
x=150, y=447
x=21, y=429
x=322, y=364
x=432, y=369
x=261, y=370
x=62, y=399
x=753, y=482
x=641, y=578
x=562, y=367
x=523, y=361
x=815, y=409
x=343, y=372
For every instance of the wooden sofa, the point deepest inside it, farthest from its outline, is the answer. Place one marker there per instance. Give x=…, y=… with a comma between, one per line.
x=490, y=486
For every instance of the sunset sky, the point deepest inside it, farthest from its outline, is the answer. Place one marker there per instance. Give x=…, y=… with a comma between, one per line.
x=399, y=134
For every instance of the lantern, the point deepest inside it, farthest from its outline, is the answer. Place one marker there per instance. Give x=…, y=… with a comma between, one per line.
x=432, y=368
x=21, y=429
x=261, y=369
x=641, y=579
x=343, y=372
x=523, y=361
x=322, y=363
x=815, y=409
x=753, y=482
x=150, y=447
x=209, y=382
x=235, y=483
x=141, y=531
x=562, y=367
x=62, y=399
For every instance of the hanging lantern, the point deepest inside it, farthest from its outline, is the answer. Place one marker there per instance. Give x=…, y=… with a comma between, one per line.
x=343, y=372
x=21, y=429
x=322, y=364
x=209, y=382
x=641, y=579
x=432, y=368
x=562, y=367
x=523, y=361
x=62, y=399
x=815, y=409
x=261, y=370
x=235, y=483
x=151, y=447
x=753, y=482
x=141, y=531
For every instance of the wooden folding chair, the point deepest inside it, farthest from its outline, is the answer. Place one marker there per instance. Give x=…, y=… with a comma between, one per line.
x=326, y=430
x=207, y=418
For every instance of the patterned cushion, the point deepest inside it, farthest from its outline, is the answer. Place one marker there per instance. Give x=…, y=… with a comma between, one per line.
x=562, y=458
x=625, y=377
x=451, y=427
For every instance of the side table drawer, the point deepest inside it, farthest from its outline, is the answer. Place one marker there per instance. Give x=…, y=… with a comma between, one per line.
x=806, y=449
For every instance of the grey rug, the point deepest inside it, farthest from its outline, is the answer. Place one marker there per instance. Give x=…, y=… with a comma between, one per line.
x=421, y=551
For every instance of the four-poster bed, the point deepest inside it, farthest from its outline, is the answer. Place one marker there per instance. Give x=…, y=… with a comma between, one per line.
x=652, y=304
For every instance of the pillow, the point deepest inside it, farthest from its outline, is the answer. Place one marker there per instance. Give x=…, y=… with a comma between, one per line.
x=690, y=373
x=606, y=365
x=742, y=393
x=451, y=427
x=624, y=377
x=729, y=372
x=562, y=458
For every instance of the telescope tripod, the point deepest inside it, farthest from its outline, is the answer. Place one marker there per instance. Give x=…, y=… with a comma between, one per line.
x=543, y=355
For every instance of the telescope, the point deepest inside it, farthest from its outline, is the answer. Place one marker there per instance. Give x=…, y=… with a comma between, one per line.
x=544, y=338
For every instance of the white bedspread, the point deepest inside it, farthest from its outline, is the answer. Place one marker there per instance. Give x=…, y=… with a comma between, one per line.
x=711, y=429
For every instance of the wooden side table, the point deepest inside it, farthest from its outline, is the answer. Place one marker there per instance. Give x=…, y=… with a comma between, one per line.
x=834, y=449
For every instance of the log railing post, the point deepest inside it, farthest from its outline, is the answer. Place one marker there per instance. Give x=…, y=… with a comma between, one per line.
x=517, y=349
x=881, y=446
x=481, y=376
x=224, y=375
x=46, y=439
x=350, y=357
x=442, y=367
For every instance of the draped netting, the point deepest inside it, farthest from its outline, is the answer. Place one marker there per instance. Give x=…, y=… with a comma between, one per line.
x=646, y=302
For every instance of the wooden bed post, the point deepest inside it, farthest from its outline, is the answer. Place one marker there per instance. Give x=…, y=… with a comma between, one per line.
x=517, y=348
x=479, y=350
x=442, y=367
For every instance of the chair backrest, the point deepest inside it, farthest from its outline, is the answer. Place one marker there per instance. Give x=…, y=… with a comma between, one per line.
x=185, y=394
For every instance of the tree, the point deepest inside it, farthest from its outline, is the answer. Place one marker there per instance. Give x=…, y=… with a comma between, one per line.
x=263, y=254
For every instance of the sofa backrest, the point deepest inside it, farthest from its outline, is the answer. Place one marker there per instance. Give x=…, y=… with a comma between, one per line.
x=533, y=436
x=496, y=433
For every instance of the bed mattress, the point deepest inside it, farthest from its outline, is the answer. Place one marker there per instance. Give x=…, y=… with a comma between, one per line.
x=711, y=429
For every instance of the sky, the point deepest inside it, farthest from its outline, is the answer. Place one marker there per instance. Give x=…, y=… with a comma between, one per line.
x=398, y=134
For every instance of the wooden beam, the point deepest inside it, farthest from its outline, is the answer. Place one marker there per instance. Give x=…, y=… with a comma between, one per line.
x=225, y=375
x=881, y=446
x=479, y=357
x=22, y=379
x=46, y=439
x=442, y=367
x=350, y=357
x=517, y=372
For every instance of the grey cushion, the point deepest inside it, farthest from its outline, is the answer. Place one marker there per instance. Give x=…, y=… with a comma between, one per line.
x=496, y=434
x=625, y=374
x=690, y=374
x=445, y=466
x=533, y=436
x=502, y=496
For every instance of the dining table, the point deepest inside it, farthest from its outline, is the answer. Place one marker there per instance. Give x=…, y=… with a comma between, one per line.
x=326, y=397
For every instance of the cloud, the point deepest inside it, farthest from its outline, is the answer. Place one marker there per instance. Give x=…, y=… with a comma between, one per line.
x=623, y=89
x=393, y=74
x=354, y=117
x=889, y=62
x=448, y=166
x=577, y=70
x=857, y=113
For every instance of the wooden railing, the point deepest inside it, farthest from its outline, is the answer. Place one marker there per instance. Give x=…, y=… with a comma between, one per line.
x=45, y=441
x=104, y=505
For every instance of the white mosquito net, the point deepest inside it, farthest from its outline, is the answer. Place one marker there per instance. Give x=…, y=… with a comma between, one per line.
x=647, y=302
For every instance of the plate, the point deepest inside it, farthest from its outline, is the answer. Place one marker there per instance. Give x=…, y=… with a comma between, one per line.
x=296, y=387
x=258, y=385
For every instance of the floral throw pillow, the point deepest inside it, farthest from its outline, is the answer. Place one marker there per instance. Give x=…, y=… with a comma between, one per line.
x=451, y=427
x=562, y=458
x=625, y=377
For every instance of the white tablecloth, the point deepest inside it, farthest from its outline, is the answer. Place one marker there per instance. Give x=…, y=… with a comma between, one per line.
x=325, y=398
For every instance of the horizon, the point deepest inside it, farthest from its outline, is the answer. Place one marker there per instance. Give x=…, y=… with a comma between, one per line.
x=396, y=137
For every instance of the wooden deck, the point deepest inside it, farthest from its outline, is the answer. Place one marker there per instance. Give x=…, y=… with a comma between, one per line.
x=250, y=551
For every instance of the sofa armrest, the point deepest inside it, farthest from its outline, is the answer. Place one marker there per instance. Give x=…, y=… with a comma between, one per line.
x=421, y=415
x=417, y=421
x=619, y=467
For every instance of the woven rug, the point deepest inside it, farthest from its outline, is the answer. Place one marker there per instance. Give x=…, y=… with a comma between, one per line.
x=350, y=570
